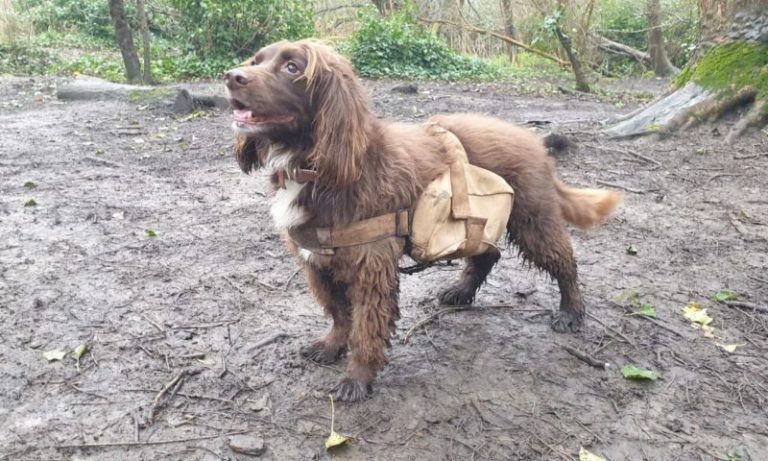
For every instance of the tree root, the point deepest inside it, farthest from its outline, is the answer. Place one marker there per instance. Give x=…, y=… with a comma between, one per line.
x=689, y=106
x=756, y=117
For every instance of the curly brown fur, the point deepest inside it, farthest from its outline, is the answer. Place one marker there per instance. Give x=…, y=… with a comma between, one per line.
x=300, y=105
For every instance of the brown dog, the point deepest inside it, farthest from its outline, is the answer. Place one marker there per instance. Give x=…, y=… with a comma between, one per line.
x=300, y=110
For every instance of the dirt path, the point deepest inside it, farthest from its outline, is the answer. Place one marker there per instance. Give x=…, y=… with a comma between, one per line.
x=213, y=293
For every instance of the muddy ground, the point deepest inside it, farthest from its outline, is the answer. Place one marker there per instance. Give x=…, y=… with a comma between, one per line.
x=211, y=307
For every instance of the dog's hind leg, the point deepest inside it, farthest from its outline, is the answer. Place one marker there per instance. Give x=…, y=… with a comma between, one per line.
x=332, y=296
x=544, y=241
x=474, y=274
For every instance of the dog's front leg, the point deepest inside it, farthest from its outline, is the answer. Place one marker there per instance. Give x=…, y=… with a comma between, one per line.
x=331, y=294
x=373, y=296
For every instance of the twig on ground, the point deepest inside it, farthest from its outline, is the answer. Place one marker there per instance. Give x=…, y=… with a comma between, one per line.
x=449, y=310
x=104, y=162
x=619, y=186
x=721, y=175
x=613, y=330
x=627, y=152
x=267, y=341
x=151, y=442
x=431, y=318
x=189, y=396
x=746, y=305
x=591, y=361
x=173, y=386
x=288, y=282
x=662, y=325
x=205, y=326
x=154, y=323
x=746, y=157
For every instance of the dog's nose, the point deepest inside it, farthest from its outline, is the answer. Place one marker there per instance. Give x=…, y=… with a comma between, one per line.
x=235, y=79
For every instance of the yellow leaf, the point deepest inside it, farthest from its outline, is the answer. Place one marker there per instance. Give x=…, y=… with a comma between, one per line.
x=335, y=439
x=585, y=455
x=695, y=313
x=729, y=347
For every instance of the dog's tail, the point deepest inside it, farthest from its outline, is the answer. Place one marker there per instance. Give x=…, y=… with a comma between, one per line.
x=586, y=208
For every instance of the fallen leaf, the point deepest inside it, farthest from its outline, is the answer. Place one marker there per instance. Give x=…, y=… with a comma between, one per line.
x=731, y=348
x=80, y=351
x=696, y=314
x=335, y=439
x=725, y=295
x=259, y=405
x=631, y=250
x=54, y=355
x=630, y=371
x=647, y=310
x=585, y=455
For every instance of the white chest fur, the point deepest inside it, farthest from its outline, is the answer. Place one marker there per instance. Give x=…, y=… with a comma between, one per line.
x=284, y=210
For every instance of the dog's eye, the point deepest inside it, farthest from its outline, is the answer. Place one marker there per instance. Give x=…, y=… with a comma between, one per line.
x=292, y=68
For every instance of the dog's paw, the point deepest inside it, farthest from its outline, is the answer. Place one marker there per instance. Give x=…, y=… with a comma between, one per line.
x=319, y=352
x=351, y=390
x=457, y=295
x=565, y=321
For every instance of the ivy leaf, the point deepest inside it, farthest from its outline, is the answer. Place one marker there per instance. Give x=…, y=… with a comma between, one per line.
x=630, y=371
x=30, y=202
x=29, y=185
x=585, y=455
x=631, y=250
x=647, y=310
x=725, y=295
x=150, y=233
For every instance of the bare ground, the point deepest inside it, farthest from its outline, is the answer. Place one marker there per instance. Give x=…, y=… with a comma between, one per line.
x=213, y=301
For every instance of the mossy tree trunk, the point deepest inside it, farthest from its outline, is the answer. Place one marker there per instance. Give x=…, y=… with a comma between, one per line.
x=729, y=72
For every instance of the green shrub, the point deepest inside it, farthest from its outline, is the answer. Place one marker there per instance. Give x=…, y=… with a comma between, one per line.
x=90, y=16
x=21, y=59
x=396, y=46
x=226, y=27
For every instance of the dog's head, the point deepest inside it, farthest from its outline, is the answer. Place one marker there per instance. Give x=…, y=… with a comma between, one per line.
x=304, y=96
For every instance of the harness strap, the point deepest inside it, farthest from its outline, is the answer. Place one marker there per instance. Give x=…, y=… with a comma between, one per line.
x=324, y=239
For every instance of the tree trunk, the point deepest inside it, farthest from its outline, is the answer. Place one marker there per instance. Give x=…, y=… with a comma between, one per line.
x=144, y=24
x=508, y=15
x=726, y=74
x=125, y=41
x=387, y=7
x=659, y=60
x=567, y=44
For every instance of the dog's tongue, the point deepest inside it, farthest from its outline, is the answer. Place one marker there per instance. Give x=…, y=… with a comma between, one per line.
x=242, y=115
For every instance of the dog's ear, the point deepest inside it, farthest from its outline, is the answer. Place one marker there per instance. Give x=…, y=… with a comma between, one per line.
x=247, y=153
x=341, y=117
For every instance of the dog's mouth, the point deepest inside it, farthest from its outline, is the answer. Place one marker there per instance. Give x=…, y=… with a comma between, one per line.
x=244, y=116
